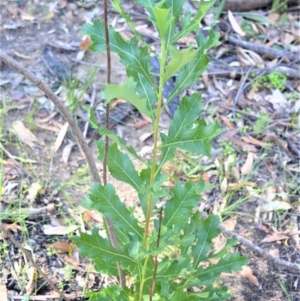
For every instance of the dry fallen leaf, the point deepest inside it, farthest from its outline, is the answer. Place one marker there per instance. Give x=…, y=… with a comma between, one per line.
x=254, y=141
x=33, y=191
x=246, y=168
x=230, y=223
x=275, y=205
x=24, y=134
x=227, y=122
x=224, y=185
x=274, y=237
x=248, y=274
x=60, y=137
x=31, y=282
x=235, y=26
x=61, y=246
x=67, y=151
x=60, y=230
x=145, y=136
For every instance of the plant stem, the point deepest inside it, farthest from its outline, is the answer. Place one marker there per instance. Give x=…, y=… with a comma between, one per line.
x=156, y=133
x=153, y=166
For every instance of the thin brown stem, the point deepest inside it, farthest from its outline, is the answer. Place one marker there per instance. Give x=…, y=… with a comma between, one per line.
x=109, y=222
x=155, y=259
x=29, y=257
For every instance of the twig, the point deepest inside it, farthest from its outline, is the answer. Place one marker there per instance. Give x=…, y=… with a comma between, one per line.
x=156, y=259
x=241, y=88
x=237, y=110
x=262, y=49
x=260, y=251
x=29, y=257
x=68, y=116
x=109, y=222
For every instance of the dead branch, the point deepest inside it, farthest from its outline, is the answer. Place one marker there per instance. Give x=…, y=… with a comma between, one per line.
x=241, y=5
x=262, y=49
x=276, y=261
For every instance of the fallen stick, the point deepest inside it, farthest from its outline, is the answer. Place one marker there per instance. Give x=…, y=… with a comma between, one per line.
x=262, y=49
x=276, y=261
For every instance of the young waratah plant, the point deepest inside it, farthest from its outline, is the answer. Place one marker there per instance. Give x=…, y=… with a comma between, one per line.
x=169, y=255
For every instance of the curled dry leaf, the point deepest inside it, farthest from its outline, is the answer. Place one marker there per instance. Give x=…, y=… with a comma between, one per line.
x=67, y=151
x=230, y=223
x=275, y=205
x=248, y=274
x=31, y=282
x=24, y=134
x=60, y=137
x=246, y=168
x=60, y=230
x=33, y=191
x=271, y=193
x=145, y=136
x=235, y=26
x=274, y=237
x=224, y=185
x=249, y=139
x=227, y=122
x=61, y=246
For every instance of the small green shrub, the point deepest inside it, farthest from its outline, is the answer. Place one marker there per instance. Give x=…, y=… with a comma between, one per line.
x=168, y=255
x=262, y=122
x=273, y=80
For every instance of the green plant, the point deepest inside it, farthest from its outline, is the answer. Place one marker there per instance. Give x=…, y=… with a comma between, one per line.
x=75, y=92
x=167, y=255
x=275, y=80
x=261, y=123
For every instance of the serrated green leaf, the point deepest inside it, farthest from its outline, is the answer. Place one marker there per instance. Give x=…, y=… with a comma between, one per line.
x=189, y=75
x=183, y=119
x=146, y=3
x=162, y=20
x=205, y=45
x=118, y=8
x=178, y=58
x=127, y=91
x=146, y=91
x=104, y=255
x=193, y=25
x=136, y=59
x=191, y=72
x=120, y=166
x=111, y=293
x=196, y=140
x=213, y=294
x=179, y=208
x=175, y=6
x=206, y=230
x=181, y=295
x=227, y=264
x=119, y=141
x=230, y=242
x=105, y=200
x=169, y=270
